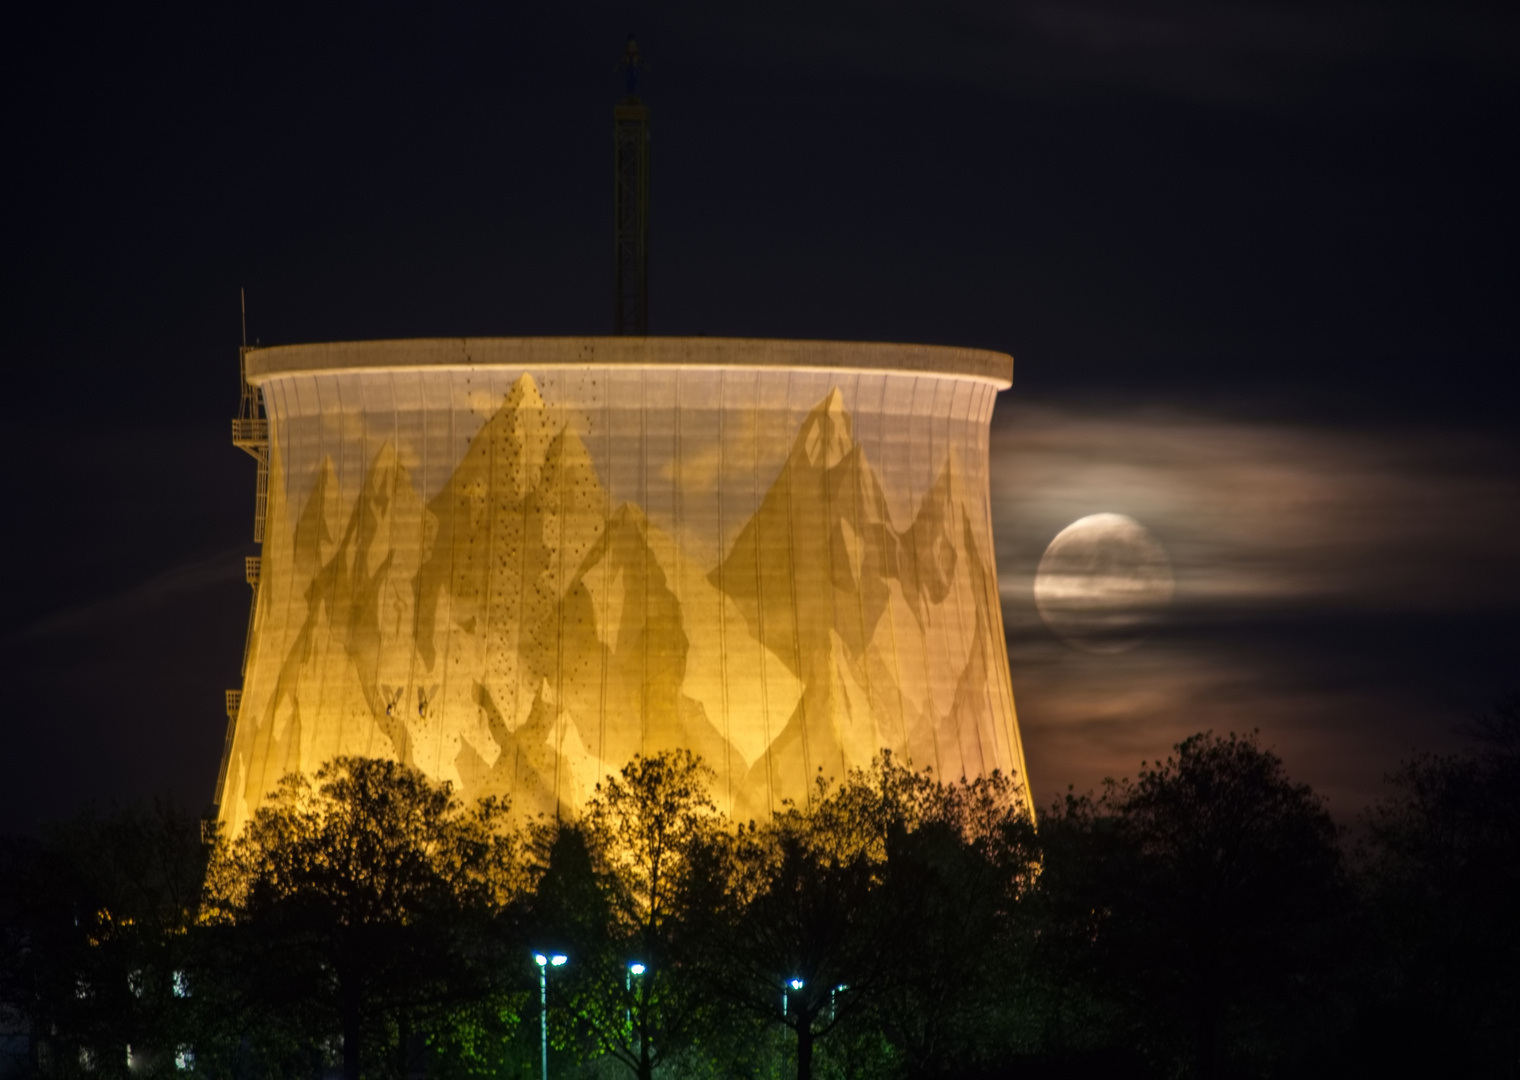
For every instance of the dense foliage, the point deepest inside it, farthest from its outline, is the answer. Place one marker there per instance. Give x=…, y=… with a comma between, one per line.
x=1206, y=919
x=366, y=906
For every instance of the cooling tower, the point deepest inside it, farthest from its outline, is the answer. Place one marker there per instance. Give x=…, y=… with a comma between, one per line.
x=516, y=563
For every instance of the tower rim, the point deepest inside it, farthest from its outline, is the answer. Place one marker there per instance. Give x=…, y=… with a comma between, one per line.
x=393, y=354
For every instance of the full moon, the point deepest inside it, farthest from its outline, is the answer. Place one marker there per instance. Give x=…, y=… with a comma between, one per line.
x=1103, y=583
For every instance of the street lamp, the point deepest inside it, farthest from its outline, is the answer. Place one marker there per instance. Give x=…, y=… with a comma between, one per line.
x=634, y=968
x=544, y=964
x=795, y=984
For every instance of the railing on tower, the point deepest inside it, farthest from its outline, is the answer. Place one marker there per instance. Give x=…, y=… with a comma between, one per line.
x=250, y=433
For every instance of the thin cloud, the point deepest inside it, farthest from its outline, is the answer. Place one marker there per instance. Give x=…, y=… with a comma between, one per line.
x=1314, y=568
x=1269, y=515
x=151, y=595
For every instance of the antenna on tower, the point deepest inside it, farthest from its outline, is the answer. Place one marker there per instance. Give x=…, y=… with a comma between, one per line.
x=630, y=200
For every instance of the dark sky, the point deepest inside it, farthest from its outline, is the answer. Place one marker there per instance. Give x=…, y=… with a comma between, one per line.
x=1256, y=264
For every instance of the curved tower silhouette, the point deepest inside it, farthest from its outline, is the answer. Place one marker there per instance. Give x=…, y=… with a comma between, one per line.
x=516, y=563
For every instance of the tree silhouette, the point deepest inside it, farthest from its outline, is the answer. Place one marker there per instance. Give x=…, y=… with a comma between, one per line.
x=651, y=839
x=1204, y=892
x=1441, y=866
x=836, y=906
x=956, y=926
x=366, y=900
x=1195, y=921
x=95, y=923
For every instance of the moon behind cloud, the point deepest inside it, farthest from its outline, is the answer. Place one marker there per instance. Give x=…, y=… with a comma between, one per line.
x=1103, y=583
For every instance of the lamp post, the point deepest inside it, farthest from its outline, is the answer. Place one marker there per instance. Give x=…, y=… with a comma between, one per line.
x=795, y=984
x=635, y=968
x=544, y=964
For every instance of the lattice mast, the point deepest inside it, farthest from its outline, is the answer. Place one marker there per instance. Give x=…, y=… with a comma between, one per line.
x=630, y=142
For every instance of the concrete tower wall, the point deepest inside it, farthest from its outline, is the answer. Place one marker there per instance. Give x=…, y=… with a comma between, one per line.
x=515, y=564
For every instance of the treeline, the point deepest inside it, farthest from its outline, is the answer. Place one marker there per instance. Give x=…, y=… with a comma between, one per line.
x=1206, y=919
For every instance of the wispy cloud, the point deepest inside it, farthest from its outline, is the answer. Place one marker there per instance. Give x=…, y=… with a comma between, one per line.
x=1260, y=514
x=188, y=579
x=1311, y=562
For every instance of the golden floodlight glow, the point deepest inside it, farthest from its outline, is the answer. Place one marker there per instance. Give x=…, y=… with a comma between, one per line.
x=516, y=563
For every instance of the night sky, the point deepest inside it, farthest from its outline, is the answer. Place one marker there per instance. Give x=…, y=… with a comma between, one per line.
x=1255, y=263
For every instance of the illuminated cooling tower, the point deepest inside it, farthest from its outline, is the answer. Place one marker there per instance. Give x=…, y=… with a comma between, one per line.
x=516, y=563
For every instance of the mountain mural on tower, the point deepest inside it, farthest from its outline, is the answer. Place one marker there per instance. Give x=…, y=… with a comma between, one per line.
x=521, y=636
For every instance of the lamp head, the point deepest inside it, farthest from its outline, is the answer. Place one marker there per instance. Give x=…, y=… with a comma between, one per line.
x=558, y=959
x=540, y=959
x=636, y=968
x=796, y=984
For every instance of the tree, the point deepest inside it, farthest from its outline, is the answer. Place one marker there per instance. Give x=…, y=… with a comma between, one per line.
x=652, y=841
x=827, y=901
x=368, y=902
x=1441, y=872
x=1205, y=893
x=798, y=936
x=95, y=921
x=956, y=929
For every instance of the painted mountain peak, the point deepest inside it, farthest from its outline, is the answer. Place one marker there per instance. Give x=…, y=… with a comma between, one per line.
x=521, y=636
